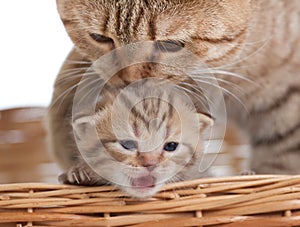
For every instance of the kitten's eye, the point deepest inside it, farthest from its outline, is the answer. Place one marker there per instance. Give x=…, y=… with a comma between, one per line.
x=169, y=45
x=100, y=38
x=128, y=144
x=172, y=146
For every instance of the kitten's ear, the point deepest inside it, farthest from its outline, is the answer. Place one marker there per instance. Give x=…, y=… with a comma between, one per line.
x=204, y=121
x=83, y=126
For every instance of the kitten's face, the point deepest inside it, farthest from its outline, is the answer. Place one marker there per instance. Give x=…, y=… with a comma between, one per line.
x=213, y=30
x=149, y=137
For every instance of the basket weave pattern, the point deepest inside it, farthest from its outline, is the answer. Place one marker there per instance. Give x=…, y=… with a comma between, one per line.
x=231, y=202
x=259, y=201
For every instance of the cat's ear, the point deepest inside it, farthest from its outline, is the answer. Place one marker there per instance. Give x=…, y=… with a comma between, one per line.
x=205, y=121
x=83, y=126
x=65, y=9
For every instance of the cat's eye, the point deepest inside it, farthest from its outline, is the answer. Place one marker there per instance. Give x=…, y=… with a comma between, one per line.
x=169, y=45
x=171, y=146
x=128, y=144
x=100, y=38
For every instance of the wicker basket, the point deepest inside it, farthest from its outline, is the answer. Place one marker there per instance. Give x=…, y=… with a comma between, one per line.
x=236, y=201
x=23, y=147
x=24, y=157
x=260, y=201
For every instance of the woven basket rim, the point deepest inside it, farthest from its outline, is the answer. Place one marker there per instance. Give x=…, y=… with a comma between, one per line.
x=262, y=200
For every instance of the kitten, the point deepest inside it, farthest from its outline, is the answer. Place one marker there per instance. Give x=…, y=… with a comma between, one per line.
x=252, y=47
x=138, y=138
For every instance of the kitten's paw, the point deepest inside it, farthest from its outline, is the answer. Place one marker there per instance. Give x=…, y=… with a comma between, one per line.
x=81, y=175
x=248, y=173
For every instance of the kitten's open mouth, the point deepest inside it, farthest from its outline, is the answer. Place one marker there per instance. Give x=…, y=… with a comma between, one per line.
x=143, y=182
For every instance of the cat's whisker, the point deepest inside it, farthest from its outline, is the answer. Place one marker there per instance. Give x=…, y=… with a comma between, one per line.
x=77, y=62
x=196, y=95
x=233, y=85
x=199, y=98
x=200, y=78
x=215, y=72
x=196, y=87
x=217, y=86
x=62, y=96
x=74, y=70
x=96, y=86
x=229, y=93
x=71, y=76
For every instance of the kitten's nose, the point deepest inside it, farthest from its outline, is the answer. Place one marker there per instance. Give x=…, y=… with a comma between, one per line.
x=149, y=160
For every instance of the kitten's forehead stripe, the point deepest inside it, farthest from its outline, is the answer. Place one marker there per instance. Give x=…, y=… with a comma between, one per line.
x=145, y=106
x=162, y=121
x=171, y=107
x=158, y=107
x=139, y=116
x=134, y=111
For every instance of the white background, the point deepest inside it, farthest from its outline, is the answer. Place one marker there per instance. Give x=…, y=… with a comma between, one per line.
x=33, y=45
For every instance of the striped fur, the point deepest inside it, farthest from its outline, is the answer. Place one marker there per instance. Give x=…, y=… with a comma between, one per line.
x=252, y=47
x=151, y=115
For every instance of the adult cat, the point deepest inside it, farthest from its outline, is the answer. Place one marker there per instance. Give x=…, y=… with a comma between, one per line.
x=252, y=47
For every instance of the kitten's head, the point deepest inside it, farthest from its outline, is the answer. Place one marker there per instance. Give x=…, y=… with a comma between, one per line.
x=150, y=134
x=213, y=30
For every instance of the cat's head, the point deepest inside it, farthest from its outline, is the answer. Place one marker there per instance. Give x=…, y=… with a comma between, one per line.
x=213, y=30
x=146, y=136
